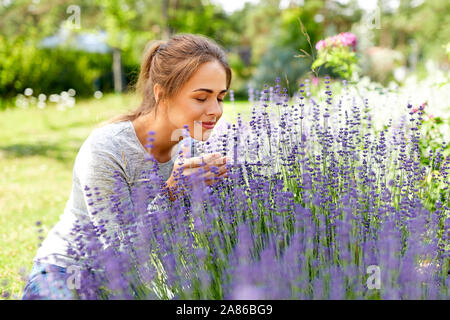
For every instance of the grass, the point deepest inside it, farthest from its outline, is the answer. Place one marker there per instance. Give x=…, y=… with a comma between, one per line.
x=37, y=153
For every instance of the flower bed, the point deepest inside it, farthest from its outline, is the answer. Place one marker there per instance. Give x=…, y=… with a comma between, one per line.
x=319, y=204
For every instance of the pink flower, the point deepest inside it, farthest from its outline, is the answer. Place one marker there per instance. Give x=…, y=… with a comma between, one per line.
x=315, y=81
x=321, y=44
x=334, y=40
x=348, y=39
x=345, y=39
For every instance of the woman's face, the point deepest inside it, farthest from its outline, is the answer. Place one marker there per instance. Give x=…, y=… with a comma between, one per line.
x=199, y=104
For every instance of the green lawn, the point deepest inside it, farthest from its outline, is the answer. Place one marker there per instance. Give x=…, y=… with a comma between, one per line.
x=37, y=152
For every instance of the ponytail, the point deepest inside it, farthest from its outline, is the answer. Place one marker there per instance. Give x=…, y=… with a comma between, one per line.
x=151, y=49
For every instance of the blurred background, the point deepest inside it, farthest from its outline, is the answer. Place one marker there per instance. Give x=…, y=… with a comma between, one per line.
x=67, y=65
x=96, y=46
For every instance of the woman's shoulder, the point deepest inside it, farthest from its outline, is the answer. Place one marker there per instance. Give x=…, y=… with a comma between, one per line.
x=104, y=142
x=106, y=136
x=110, y=130
x=101, y=152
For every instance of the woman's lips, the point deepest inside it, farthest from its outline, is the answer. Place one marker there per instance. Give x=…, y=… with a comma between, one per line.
x=208, y=125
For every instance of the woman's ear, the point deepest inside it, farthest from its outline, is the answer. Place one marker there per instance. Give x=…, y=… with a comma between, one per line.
x=159, y=96
x=157, y=91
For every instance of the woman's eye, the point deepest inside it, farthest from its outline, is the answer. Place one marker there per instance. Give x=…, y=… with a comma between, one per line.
x=203, y=100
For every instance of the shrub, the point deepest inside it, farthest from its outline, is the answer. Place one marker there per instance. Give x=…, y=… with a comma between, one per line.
x=338, y=53
x=24, y=65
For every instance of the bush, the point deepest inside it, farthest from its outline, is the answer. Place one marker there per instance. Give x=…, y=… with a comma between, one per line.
x=280, y=62
x=24, y=65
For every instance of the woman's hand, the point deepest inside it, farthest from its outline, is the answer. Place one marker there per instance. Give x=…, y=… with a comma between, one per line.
x=192, y=166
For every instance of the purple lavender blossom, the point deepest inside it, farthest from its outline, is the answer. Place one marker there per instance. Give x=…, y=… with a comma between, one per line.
x=306, y=209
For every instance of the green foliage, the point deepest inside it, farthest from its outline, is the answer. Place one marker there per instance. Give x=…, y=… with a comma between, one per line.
x=130, y=24
x=291, y=34
x=432, y=137
x=280, y=58
x=199, y=17
x=24, y=65
x=241, y=75
x=279, y=62
x=426, y=24
x=340, y=59
x=117, y=18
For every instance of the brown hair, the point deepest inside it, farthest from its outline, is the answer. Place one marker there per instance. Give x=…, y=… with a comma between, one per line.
x=171, y=63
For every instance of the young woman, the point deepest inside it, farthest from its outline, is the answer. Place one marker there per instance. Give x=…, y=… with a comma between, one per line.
x=182, y=82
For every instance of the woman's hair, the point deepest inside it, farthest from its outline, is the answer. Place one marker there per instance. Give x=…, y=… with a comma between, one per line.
x=171, y=64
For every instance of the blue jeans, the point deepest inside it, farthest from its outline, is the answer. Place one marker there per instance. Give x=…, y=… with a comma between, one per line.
x=48, y=282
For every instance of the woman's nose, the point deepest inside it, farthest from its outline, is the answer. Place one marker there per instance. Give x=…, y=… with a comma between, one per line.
x=215, y=109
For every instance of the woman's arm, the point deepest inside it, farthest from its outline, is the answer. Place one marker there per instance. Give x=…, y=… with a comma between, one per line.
x=101, y=190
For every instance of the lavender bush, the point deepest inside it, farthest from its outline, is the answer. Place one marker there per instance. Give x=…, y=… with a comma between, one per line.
x=338, y=53
x=315, y=198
